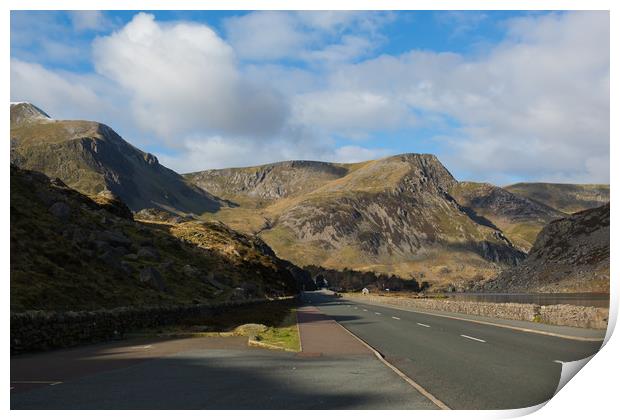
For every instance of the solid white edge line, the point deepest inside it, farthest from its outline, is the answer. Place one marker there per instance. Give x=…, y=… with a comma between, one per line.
x=403, y=376
x=472, y=338
x=423, y=325
x=298, y=331
x=37, y=382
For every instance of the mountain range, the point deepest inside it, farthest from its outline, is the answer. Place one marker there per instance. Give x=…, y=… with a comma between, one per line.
x=404, y=215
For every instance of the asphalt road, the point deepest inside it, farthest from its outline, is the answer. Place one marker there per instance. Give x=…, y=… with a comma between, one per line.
x=464, y=364
x=211, y=373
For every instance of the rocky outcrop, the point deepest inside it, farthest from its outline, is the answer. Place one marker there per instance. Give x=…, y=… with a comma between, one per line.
x=160, y=215
x=569, y=255
x=24, y=113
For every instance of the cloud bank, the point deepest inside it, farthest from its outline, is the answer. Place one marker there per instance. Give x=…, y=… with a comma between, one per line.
x=276, y=86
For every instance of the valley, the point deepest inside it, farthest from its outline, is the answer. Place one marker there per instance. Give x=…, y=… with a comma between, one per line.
x=403, y=215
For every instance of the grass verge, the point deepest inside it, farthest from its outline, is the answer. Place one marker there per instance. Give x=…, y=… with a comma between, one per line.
x=285, y=335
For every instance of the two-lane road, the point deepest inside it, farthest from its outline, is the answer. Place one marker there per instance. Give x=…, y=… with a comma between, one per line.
x=465, y=364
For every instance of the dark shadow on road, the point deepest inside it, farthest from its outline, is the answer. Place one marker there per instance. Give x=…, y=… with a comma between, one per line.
x=202, y=380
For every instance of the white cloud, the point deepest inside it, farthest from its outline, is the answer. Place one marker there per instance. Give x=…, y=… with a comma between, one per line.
x=352, y=154
x=536, y=105
x=266, y=35
x=89, y=20
x=51, y=91
x=460, y=21
x=183, y=79
x=352, y=112
x=321, y=37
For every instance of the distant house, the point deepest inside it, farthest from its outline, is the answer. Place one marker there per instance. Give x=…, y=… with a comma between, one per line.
x=365, y=291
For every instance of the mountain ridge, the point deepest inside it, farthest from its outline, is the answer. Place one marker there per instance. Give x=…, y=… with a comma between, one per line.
x=92, y=157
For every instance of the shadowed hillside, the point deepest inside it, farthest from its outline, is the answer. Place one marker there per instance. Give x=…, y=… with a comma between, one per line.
x=71, y=251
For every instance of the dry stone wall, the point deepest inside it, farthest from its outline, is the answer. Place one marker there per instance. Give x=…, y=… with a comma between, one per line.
x=566, y=315
x=44, y=330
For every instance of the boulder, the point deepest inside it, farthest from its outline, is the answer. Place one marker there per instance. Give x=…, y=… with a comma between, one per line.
x=152, y=277
x=250, y=330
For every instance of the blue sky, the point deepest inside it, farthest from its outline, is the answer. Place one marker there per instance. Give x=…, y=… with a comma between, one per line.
x=498, y=96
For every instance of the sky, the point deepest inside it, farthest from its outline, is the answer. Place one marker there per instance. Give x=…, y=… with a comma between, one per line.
x=498, y=96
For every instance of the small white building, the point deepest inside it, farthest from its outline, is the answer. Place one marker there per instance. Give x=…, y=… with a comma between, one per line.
x=365, y=291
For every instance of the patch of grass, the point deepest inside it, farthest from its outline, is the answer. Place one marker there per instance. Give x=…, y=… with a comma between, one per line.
x=285, y=335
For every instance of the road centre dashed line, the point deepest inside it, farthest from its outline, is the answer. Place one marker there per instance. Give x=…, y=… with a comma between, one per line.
x=423, y=325
x=377, y=313
x=472, y=338
x=395, y=317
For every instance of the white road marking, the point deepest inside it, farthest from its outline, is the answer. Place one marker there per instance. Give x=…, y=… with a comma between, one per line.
x=377, y=313
x=52, y=383
x=395, y=317
x=558, y=361
x=355, y=307
x=365, y=310
x=423, y=325
x=472, y=338
x=142, y=347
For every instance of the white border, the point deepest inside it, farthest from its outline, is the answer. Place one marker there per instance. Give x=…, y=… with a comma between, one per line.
x=591, y=395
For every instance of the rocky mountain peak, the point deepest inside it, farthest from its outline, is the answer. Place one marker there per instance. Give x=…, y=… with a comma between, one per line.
x=23, y=112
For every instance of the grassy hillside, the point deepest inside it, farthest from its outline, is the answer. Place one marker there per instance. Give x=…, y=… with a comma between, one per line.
x=71, y=251
x=568, y=198
x=392, y=215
